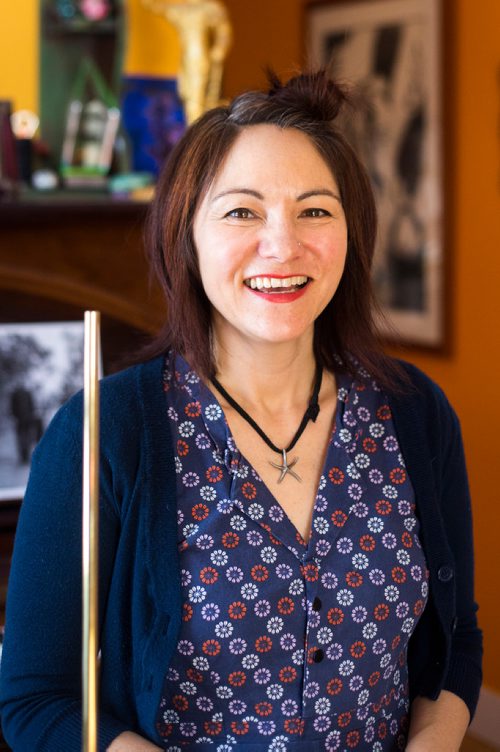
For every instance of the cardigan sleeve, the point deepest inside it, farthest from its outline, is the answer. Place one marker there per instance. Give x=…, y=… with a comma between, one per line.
x=464, y=670
x=446, y=648
x=40, y=678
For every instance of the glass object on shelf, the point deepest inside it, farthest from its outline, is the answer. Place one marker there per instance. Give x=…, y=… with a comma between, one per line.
x=91, y=128
x=88, y=146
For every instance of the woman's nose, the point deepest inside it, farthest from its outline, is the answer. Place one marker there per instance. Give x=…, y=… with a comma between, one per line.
x=280, y=241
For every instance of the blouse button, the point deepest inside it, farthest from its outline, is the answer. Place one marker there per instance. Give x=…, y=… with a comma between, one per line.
x=316, y=604
x=318, y=656
x=445, y=574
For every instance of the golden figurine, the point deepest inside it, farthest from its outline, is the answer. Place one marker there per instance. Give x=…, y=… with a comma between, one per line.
x=205, y=34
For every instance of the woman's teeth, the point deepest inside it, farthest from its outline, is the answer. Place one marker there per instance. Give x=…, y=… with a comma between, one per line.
x=271, y=283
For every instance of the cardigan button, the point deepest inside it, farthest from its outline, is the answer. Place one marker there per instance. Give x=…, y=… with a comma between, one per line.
x=445, y=573
x=318, y=655
x=316, y=604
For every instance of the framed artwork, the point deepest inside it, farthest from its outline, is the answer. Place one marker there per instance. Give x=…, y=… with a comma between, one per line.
x=41, y=366
x=387, y=52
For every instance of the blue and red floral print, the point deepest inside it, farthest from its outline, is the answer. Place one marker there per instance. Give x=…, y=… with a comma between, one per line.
x=288, y=644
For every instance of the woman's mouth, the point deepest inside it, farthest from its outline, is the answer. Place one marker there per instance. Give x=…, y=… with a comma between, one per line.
x=273, y=285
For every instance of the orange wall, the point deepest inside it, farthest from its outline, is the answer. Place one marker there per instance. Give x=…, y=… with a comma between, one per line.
x=266, y=32
x=471, y=376
x=269, y=31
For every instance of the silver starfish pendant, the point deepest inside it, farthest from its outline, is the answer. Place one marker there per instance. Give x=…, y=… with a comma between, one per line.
x=286, y=468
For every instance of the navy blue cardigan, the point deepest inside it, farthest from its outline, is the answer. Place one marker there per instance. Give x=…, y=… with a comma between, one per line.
x=140, y=601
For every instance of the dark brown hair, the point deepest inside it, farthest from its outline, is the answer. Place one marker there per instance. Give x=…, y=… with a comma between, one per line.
x=310, y=102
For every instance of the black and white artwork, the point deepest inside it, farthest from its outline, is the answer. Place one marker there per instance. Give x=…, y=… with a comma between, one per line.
x=387, y=53
x=41, y=366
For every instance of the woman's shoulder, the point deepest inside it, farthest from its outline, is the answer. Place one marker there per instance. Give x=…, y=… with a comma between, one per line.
x=418, y=377
x=142, y=380
x=420, y=404
x=125, y=398
x=416, y=386
x=134, y=387
x=405, y=383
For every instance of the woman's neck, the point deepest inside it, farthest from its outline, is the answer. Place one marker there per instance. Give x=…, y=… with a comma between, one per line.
x=266, y=376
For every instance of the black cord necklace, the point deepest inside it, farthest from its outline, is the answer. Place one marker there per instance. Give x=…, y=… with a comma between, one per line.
x=311, y=413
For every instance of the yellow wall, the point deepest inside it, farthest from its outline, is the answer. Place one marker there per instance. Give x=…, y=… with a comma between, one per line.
x=270, y=31
x=152, y=45
x=19, y=54
x=152, y=49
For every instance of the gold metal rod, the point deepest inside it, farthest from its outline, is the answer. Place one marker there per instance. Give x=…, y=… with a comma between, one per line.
x=90, y=542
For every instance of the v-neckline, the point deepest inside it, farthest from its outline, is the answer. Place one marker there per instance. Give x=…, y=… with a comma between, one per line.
x=277, y=523
x=224, y=439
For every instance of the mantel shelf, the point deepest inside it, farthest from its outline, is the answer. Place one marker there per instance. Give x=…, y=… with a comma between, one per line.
x=28, y=205
x=84, y=249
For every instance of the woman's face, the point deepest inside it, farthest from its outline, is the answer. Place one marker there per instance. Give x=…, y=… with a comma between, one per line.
x=271, y=237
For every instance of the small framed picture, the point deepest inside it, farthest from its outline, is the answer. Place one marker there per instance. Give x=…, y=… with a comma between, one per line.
x=387, y=52
x=41, y=366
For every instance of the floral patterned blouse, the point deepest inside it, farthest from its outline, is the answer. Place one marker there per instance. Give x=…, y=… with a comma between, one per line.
x=288, y=645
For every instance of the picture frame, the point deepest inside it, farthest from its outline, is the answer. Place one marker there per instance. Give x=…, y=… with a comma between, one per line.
x=41, y=366
x=388, y=53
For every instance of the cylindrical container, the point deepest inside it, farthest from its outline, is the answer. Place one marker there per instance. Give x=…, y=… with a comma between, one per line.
x=24, y=151
x=8, y=158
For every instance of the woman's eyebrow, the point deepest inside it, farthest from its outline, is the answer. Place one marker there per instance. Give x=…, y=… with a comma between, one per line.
x=231, y=191
x=260, y=196
x=318, y=192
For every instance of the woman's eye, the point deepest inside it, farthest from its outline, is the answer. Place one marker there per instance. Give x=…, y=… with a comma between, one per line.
x=240, y=213
x=314, y=212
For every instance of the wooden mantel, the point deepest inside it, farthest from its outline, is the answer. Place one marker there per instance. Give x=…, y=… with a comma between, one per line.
x=83, y=250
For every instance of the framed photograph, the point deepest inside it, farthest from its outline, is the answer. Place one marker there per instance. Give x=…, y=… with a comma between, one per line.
x=387, y=52
x=41, y=366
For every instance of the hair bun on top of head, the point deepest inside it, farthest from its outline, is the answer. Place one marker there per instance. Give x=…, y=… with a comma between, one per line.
x=313, y=91
x=307, y=97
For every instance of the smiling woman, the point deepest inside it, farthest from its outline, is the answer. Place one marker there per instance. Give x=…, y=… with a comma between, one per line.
x=273, y=215
x=286, y=558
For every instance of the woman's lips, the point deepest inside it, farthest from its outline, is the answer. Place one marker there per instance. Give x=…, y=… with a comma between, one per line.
x=278, y=289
